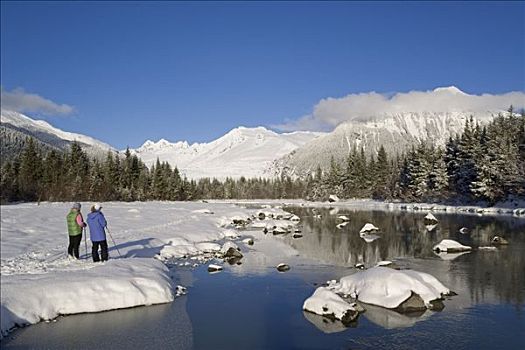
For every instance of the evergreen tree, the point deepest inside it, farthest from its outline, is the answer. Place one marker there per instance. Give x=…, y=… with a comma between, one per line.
x=30, y=172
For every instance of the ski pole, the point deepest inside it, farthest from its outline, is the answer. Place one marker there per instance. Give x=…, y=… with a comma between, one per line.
x=85, y=240
x=110, y=236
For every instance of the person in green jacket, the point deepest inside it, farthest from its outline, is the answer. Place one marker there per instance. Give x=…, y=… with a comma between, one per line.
x=75, y=224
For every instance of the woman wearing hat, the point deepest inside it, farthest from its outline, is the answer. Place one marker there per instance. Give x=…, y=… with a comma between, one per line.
x=97, y=224
x=75, y=224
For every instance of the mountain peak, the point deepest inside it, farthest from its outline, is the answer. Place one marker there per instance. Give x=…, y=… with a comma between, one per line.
x=450, y=89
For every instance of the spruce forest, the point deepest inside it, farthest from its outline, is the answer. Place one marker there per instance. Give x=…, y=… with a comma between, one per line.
x=483, y=163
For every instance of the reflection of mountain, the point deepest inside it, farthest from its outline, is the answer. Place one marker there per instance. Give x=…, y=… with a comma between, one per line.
x=480, y=276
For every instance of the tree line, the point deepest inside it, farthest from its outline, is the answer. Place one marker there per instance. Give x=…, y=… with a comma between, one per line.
x=483, y=163
x=38, y=174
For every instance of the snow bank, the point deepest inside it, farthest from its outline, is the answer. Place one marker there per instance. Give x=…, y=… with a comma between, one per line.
x=123, y=283
x=389, y=288
x=450, y=246
x=325, y=302
x=39, y=282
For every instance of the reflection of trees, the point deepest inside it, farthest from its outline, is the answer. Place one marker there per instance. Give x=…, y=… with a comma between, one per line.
x=404, y=235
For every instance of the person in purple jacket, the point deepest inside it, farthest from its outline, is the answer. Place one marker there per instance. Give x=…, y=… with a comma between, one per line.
x=97, y=224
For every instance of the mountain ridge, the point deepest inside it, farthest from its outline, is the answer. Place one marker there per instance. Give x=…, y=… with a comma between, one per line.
x=394, y=131
x=242, y=151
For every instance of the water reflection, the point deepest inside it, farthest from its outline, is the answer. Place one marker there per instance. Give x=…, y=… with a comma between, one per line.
x=485, y=275
x=390, y=319
x=325, y=324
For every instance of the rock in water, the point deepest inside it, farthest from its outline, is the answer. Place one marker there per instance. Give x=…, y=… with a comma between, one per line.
x=450, y=246
x=326, y=303
x=283, y=267
x=430, y=218
x=497, y=240
x=333, y=198
x=233, y=253
x=368, y=228
x=391, y=288
x=248, y=241
x=214, y=268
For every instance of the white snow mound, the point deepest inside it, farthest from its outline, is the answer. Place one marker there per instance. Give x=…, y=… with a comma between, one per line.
x=226, y=246
x=431, y=217
x=324, y=302
x=116, y=284
x=389, y=288
x=449, y=245
x=368, y=228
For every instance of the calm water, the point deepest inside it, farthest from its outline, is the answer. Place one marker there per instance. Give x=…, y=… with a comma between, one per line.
x=259, y=308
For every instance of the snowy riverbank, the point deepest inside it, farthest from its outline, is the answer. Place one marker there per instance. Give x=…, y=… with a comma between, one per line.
x=39, y=282
x=513, y=207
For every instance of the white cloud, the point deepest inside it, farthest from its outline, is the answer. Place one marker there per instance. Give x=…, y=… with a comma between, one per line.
x=20, y=101
x=305, y=123
x=330, y=112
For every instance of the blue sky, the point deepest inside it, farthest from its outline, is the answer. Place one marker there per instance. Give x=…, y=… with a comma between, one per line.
x=133, y=71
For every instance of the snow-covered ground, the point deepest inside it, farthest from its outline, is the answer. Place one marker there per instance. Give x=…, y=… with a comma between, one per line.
x=39, y=282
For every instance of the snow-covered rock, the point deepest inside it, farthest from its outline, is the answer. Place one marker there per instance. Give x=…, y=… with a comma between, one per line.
x=360, y=266
x=295, y=218
x=389, y=288
x=450, y=246
x=497, y=240
x=208, y=247
x=333, y=198
x=229, y=233
x=214, y=268
x=282, y=267
x=325, y=302
x=178, y=251
x=248, y=241
x=116, y=284
x=368, y=227
x=430, y=218
x=229, y=245
x=463, y=230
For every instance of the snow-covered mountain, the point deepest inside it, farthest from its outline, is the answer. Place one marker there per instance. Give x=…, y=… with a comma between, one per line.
x=395, y=131
x=247, y=152
x=17, y=126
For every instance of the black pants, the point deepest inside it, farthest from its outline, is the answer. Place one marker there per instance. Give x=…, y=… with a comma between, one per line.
x=103, y=250
x=74, y=244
